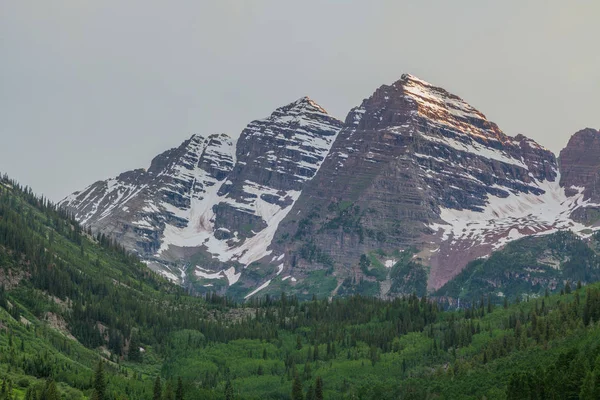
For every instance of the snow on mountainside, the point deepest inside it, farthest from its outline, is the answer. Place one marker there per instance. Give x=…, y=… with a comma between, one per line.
x=300, y=193
x=206, y=197
x=422, y=168
x=136, y=206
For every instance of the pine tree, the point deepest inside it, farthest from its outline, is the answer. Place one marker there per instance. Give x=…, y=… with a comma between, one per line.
x=319, y=388
x=134, y=353
x=228, y=390
x=297, y=393
x=50, y=391
x=587, y=387
x=307, y=371
x=597, y=378
x=179, y=391
x=310, y=393
x=168, y=395
x=157, y=389
x=99, y=382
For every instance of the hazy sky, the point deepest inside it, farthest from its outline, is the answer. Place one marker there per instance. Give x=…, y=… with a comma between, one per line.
x=91, y=88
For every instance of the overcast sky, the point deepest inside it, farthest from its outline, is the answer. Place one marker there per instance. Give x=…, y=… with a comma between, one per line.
x=91, y=88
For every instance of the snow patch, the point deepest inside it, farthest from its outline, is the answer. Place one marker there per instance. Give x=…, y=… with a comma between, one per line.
x=232, y=277
x=520, y=214
x=258, y=289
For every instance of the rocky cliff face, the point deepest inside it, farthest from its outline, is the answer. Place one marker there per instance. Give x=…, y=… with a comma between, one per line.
x=208, y=201
x=414, y=184
x=417, y=167
x=137, y=206
x=580, y=173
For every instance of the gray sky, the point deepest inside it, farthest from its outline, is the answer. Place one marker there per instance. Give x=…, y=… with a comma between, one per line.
x=91, y=88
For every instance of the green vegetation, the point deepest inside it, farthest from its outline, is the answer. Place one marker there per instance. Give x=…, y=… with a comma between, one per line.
x=346, y=216
x=82, y=319
x=313, y=253
x=531, y=266
x=404, y=277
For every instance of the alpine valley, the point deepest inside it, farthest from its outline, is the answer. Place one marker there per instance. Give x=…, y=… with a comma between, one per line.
x=413, y=189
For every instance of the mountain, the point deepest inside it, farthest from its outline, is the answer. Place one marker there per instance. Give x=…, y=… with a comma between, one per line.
x=81, y=318
x=416, y=167
x=400, y=197
x=135, y=207
x=209, y=202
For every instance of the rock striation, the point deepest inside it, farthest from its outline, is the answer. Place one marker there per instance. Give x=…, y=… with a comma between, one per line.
x=399, y=197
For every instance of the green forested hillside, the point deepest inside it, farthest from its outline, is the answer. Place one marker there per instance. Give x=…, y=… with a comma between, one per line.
x=80, y=318
x=529, y=266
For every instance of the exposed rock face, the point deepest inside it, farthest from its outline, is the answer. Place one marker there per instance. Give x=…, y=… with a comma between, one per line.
x=399, y=197
x=211, y=199
x=136, y=206
x=580, y=173
x=276, y=156
x=580, y=164
x=417, y=166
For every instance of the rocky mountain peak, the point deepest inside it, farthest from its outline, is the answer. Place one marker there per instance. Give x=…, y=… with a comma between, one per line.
x=588, y=136
x=580, y=164
x=433, y=173
x=303, y=197
x=303, y=112
x=304, y=104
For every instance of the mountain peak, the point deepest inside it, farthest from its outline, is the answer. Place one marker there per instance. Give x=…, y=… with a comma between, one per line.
x=413, y=78
x=197, y=138
x=590, y=133
x=303, y=105
x=580, y=167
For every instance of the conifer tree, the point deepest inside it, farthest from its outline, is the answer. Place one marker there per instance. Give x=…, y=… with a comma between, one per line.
x=99, y=382
x=297, y=393
x=319, y=388
x=50, y=391
x=168, y=395
x=228, y=390
x=179, y=391
x=310, y=393
x=587, y=387
x=157, y=389
x=134, y=353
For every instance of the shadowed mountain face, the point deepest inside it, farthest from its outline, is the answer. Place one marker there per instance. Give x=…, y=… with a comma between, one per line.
x=402, y=195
